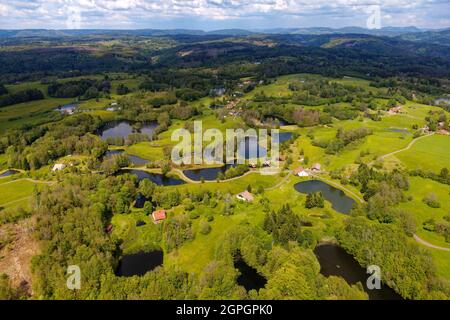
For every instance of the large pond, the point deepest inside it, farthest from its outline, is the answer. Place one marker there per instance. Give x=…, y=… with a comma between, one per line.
x=133, y=159
x=208, y=174
x=8, y=173
x=249, y=278
x=139, y=264
x=156, y=178
x=124, y=128
x=335, y=261
x=339, y=200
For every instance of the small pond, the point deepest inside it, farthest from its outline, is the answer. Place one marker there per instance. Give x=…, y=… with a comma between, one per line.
x=270, y=120
x=339, y=200
x=133, y=159
x=398, y=130
x=124, y=128
x=249, y=278
x=140, y=201
x=335, y=261
x=209, y=174
x=156, y=178
x=139, y=263
x=8, y=173
x=140, y=223
x=285, y=136
x=447, y=100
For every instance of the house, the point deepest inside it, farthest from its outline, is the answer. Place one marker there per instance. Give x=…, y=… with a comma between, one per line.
x=395, y=110
x=158, y=216
x=58, y=167
x=316, y=167
x=301, y=172
x=245, y=196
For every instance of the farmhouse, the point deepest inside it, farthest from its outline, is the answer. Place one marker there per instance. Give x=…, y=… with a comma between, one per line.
x=316, y=167
x=158, y=216
x=301, y=172
x=245, y=196
x=58, y=167
x=395, y=110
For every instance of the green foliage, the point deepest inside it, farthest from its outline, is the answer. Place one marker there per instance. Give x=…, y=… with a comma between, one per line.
x=20, y=96
x=314, y=199
x=177, y=230
x=406, y=268
x=431, y=200
x=284, y=225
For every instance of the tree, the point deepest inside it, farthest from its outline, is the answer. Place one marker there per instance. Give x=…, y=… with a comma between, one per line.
x=122, y=89
x=148, y=208
x=314, y=199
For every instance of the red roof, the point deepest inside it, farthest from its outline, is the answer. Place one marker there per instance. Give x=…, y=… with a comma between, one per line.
x=246, y=195
x=159, y=215
x=298, y=170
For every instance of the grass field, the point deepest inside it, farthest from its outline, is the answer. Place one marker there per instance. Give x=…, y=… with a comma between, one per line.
x=15, y=193
x=419, y=188
x=431, y=153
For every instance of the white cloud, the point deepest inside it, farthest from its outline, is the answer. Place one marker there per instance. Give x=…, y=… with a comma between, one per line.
x=145, y=13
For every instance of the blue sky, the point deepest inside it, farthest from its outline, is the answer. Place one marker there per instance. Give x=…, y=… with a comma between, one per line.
x=218, y=14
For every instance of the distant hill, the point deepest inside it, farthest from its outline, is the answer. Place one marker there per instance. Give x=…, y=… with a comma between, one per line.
x=412, y=34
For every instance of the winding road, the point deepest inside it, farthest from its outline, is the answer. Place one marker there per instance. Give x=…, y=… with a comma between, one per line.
x=407, y=147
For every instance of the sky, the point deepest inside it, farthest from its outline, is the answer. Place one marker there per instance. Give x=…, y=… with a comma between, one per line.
x=221, y=14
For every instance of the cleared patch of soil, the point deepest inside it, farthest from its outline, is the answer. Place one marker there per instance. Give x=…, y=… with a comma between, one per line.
x=17, y=247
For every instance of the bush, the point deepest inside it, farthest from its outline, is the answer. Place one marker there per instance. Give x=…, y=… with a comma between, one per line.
x=204, y=227
x=431, y=200
x=194, y=215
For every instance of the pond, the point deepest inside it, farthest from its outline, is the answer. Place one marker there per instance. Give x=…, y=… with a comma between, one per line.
x=249, y=278
x=339, y=200
x=139, y=263
x=140, y=201
x=209, y=174
x=398, y=130
x=133, y=159
x=447, y=100
x=156, y=178
x=140, y=223
x=285, y=136
x=270, y=120
x=8, y=173
x=124, y=128
x=335, y=261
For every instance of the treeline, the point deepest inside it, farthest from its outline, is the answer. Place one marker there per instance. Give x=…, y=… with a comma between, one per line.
x=343, y=139
x=85, y=88
x=442, y=177
x=70, y=136
x=20, y=97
